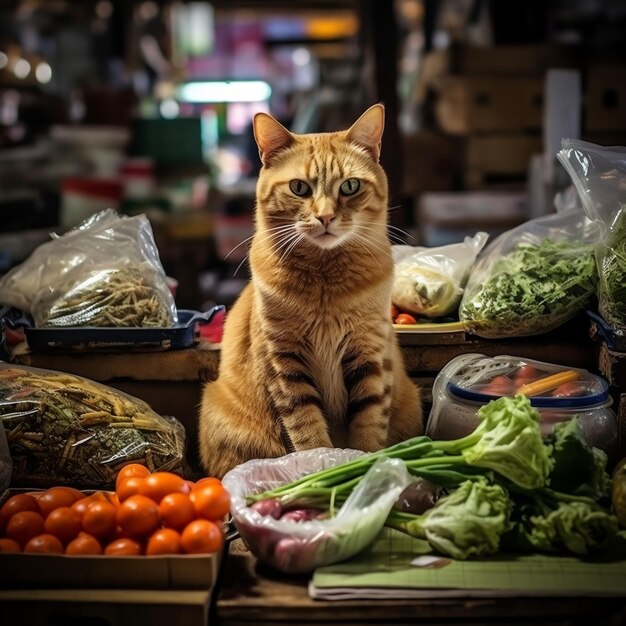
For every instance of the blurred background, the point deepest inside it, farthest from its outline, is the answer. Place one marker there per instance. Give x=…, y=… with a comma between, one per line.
x=146, y=107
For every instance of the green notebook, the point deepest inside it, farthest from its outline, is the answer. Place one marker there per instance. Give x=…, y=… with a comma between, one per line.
x=385, y=571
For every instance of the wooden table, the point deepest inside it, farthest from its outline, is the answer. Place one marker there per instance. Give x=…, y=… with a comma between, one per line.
x=250, y=593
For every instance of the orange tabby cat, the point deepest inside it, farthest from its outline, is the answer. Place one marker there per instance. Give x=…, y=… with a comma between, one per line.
x=309, y=357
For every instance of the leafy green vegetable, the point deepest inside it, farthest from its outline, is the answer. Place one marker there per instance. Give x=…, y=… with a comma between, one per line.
x=612, y=271
x=468, y=522
x=578, y=468
x=531, y=290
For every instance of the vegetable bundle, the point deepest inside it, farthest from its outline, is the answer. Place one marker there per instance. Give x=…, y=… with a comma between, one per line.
x=612, y=271
x=532, y=289
x=503, y=484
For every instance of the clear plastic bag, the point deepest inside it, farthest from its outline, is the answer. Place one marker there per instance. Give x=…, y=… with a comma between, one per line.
x=430, y=281
x=297, y=547
x=105, y=272
x=65, y=429
x=599, y=174
x=532, y=278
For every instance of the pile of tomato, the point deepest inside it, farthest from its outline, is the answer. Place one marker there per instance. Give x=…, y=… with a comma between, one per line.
x=148, y=513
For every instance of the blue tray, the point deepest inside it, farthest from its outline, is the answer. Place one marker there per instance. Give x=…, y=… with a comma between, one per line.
x=614, y=339
x=181, y=335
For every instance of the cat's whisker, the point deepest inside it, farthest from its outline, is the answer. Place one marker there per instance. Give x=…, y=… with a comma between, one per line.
x=291, y=247
x=247, y=239
x=359, y=240
x=240, y=264
x=371, y=241
x=391, y=235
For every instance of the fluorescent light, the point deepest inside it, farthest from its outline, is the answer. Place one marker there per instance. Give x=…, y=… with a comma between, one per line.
x=225, y=91
x=21, y=68
x=43, y=73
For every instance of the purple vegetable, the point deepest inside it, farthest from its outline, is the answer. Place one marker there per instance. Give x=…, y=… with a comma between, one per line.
x=287, y=554
x=270, y=507
x=299, y=515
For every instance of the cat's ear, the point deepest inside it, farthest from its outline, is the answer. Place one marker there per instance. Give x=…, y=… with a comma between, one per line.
x=271, y=136
x=367, y=131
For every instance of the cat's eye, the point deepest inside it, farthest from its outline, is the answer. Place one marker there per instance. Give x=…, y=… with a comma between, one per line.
x=350, y=186
x=299, y=187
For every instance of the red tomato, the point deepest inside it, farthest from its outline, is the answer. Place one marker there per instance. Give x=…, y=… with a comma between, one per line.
x=128, y=487
x=138, y=516
x=202, y=537
x=84, y=544
x=54, y=498
x=158, y=485
x=498, y=386
x=164, y=541
x=24, y=526
x=210, y=500
x=525, y=374
x=176, y=510
x=44, y=544
x=9, y=545
x=132, y=469
x=123, y=547
x=63, y=523
x=208, y=479
x=17, y=503
x=100, y=519
x=405, y=318
x=570, y=390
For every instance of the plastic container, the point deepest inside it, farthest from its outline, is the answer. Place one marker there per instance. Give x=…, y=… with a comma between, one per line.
x=559, y=393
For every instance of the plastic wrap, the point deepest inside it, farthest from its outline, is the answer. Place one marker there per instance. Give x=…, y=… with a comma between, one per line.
x=469, y=381
x=599, y=174
x=106, y=272
x=430, y=281
x=533, y=278
x=64, y=429
x=303, y=546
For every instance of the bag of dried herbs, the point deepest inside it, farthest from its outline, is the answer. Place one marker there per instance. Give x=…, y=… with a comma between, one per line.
x=599, y=174
x=532, y=278
x=105, y=272
x=65, y=429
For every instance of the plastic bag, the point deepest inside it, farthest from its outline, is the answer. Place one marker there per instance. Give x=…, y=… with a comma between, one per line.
x=105, y=272
x=65, y=429
x=302, y=546
x=430, y=281
x=599, y=174
x=532, y=278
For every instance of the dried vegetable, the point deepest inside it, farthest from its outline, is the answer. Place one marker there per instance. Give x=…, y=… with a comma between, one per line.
x=64, y=429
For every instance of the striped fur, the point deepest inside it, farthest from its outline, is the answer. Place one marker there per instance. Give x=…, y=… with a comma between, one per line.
x=309, y=357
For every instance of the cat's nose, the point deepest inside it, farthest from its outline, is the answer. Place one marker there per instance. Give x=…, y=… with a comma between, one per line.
x=325, y=220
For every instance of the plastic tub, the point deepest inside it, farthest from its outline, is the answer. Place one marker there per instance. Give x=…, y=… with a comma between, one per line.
x=559, y=393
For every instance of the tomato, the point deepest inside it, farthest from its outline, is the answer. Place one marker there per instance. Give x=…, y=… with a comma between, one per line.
x=132, y=470
x=84, y=544
x=24, y=526
x=498, y=386
x=394, y=312
x=9, y=545
x=176, y=510
x=570, y=390
x=128, y=487
x=63, y=523
x=138, y=516
x=525, y=374
x=164, y=541
x=202, y=537
x=208, y=479
x=3, y=523
x=44, y=544
x=17, y=503
x=405, y=318
x=123, y=547
x=158, y=485
x=210, y=500
x=100, y=519
x=54, y=498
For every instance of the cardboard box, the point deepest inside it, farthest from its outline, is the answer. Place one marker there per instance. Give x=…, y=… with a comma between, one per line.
x=474, y=104
x=606, y=99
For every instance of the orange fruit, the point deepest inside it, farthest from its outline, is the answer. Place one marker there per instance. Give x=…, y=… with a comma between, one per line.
x=210, y=500
x=54, y=498
x=63, y=523
x=44, y=544
x=202, y=537
x=164, y=541
x=138, y=516
x=84, y=544
x=24, y=526
x=100, y=519
x=17, y=503
x=9, y=545
x=123, y=547
x=176, y=510
x=128, y=487
x=132, y=469
x=158, y=485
